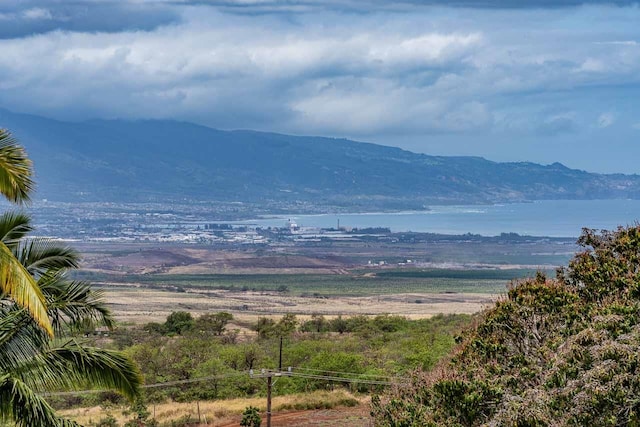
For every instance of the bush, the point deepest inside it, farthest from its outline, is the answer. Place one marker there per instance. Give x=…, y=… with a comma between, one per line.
x=559, y=352
x=251, y=417
x=108, y=421
x=141, y=416
x=178, y=322
x=212, y=324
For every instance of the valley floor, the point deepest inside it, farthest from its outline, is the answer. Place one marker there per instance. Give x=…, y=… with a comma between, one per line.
x=139, y=305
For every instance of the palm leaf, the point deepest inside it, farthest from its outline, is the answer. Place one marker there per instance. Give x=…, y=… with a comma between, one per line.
x=15, y=170
x=21, y=287
x=13, y=227
x=73, y=304
x=20, y=339
x=70, y=305
x=25, y=407
x=73, y=366
x=40, y=255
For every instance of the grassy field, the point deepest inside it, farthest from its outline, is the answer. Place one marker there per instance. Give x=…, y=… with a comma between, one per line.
x=358, y=283
x=220, y=412
x=414, y=293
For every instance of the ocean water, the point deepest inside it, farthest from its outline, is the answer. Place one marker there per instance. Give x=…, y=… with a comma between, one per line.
x=556, y=218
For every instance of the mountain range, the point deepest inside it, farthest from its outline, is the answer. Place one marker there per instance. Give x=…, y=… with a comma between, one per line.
x=137, y=161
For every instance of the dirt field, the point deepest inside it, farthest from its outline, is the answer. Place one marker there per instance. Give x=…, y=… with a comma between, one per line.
x=146, y=259
x=336, y=257
x=146, y=282
x=139, y=305
x=341, y=417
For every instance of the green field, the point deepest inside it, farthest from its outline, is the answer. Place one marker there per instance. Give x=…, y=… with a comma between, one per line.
x=356, y=284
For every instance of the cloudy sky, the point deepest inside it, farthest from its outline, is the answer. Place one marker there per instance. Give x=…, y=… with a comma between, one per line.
x=536, y=80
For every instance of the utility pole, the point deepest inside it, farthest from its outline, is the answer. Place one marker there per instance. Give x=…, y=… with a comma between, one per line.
x=269, y=374
x=269, y=386
x=280, y=358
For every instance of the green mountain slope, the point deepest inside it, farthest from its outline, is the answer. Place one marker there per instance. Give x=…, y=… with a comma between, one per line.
x=142, y=160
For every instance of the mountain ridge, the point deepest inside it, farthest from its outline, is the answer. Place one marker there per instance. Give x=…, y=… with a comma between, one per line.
x=122, y=160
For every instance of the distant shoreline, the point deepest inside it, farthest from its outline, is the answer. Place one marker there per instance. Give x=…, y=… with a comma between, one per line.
x=544, y=218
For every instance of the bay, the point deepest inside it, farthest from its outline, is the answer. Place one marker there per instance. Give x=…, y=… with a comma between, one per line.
x=554, y=218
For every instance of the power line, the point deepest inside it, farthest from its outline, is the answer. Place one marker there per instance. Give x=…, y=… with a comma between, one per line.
x=344, y=373
x=155, y=385
x=350, y=377
x=194, y=380
x=290, y=372
x=343, y=379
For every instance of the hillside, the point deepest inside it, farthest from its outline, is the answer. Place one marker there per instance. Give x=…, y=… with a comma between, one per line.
x=150, y=160
x=553, y=352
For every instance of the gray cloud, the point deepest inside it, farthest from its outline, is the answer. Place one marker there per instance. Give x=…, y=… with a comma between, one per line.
x=28, y=17
x=241, y=73
x=301, y=5
x=325, y=73
x=465, y=75
x=24, y=18
x=558, y=124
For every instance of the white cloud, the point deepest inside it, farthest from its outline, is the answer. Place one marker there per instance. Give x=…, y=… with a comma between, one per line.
x=591, y=65
x=37, y=13
x=620, y=43
x=197, y=67
x=331, y=73
x=605, y=120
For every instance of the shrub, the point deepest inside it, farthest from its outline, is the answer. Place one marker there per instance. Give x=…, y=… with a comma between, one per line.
x=559, y=352
x=178, y=322
x=108, y=421
x=251, y=417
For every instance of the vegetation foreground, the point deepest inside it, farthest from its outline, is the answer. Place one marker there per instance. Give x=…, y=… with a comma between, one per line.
x=194, y=361
x=553, y=352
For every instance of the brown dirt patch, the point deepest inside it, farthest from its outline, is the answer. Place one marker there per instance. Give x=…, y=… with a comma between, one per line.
x=340, y=417
x=139, y=259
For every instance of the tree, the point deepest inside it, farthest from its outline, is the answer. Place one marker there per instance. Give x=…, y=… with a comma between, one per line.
x=268, y=328
x=16, y=170
x=286, y=325
x=561, y=352
x=213, y=324
x=318, y=321
x=15, y=184
x=36, y=300
x=178, y=322
x=338, y=325
x=30, y=361
x=264, y=327
x=141, y=415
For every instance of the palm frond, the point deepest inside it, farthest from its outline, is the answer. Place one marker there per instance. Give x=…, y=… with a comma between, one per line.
x=25, y=407
x=16, y=170
x=13, y=227
x=21, y=287
x=40, y=255
x=74, y=304
x=20, y=339
x=71, y=305
x=73, y=365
